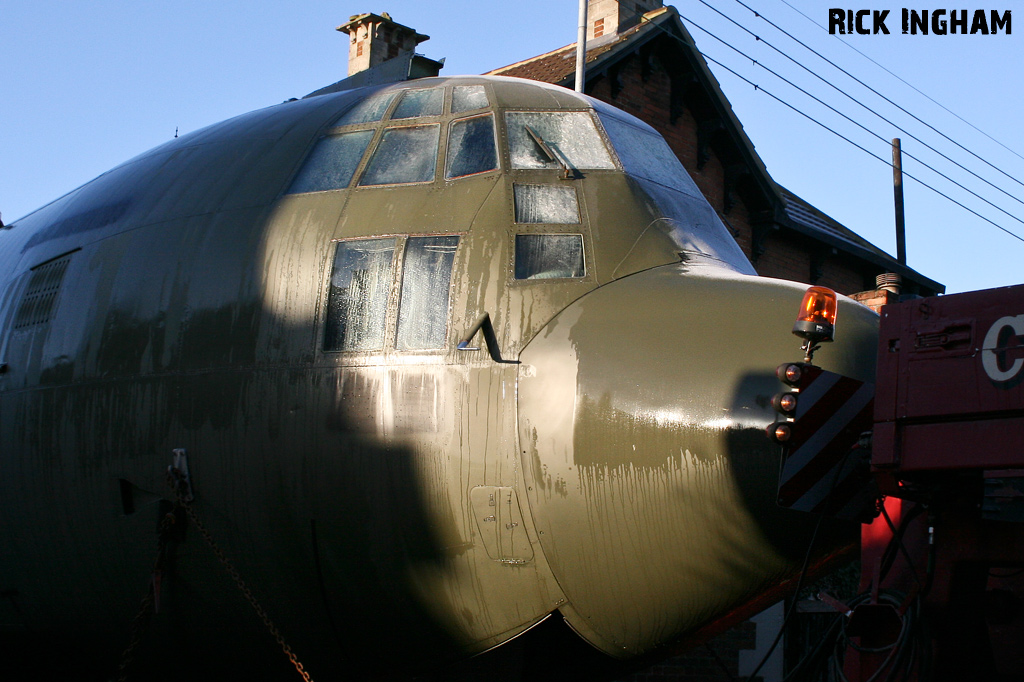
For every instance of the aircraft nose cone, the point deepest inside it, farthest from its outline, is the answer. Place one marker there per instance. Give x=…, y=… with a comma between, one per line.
x=642, y=414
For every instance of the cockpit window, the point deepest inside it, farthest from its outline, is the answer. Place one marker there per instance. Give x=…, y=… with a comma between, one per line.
x=368, y=110
x=468, y=97
x=549, y=256
x=332, y=162
x=645, y=154
x=414, y=103
x=426, y=280
x=358, y=298
x=571, y=137
x=404, y=155
x=546, y=204
x=471, y=147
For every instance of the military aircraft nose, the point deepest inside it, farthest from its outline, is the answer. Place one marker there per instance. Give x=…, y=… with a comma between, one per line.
x=642, y=413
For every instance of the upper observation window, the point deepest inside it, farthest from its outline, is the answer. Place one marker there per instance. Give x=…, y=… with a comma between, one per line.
x=471, y=147
x=468, y=98
x=556, y=139
x=403, y=155
x=332, y=163
x=645, y=154
x=368, y=110
x=549, y=256
x=426, y=280
x=546, y=204
x=358, y=298
x=416, y=103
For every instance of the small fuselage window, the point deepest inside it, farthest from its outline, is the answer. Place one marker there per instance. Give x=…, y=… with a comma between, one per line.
x=546, y=204
x=556, y=139
x=471, y=147
x=549, y=256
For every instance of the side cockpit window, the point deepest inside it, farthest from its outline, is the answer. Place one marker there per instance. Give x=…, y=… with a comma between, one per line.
x=363, y=279
x=368, y=110
x=549, y=256
x=426, y=280
x=645, y=154
x=332, y=162
x=358, y=296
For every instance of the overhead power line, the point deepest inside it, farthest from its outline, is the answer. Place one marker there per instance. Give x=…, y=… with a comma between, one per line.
x=866, y=151
x=916, y=118
x=860, y=125
x=849, y=97
x=909, y=85
x=834, y=132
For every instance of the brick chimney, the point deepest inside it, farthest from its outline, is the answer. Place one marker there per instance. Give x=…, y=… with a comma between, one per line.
x=611, y=17
x=374, y=39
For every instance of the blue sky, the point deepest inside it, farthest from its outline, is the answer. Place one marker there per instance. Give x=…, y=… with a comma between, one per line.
x=86, y=86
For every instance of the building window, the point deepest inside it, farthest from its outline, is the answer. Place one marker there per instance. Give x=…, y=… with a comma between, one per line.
x=357, y=301
x=426, y=281
x=549, y=256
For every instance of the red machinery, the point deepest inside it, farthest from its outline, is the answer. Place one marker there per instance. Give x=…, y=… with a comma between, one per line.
x=943, y=560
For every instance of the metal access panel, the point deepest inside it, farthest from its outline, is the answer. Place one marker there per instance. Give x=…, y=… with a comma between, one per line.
x=949, y=391
x=500, y=524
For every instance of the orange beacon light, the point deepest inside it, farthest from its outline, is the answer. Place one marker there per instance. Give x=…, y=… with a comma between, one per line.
x=816, y=321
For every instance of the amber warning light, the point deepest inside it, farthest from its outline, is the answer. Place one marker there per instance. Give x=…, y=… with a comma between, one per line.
x=816, y=322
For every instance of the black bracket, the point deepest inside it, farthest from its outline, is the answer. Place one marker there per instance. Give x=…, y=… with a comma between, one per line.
x=484, y=324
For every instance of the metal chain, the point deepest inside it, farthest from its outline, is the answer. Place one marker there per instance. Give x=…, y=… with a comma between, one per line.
x=177, y=482
x=141, y=620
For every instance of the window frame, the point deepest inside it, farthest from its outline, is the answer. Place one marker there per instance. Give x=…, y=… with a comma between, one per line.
x=379, y=127
x=584, y=245
x=494, y=132
x=390, y=339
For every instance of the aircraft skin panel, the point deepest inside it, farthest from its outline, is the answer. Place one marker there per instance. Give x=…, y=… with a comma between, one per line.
x=698, y=473
x=300, y=343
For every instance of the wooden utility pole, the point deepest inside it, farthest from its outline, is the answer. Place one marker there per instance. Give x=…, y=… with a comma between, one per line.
x=897, y=188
